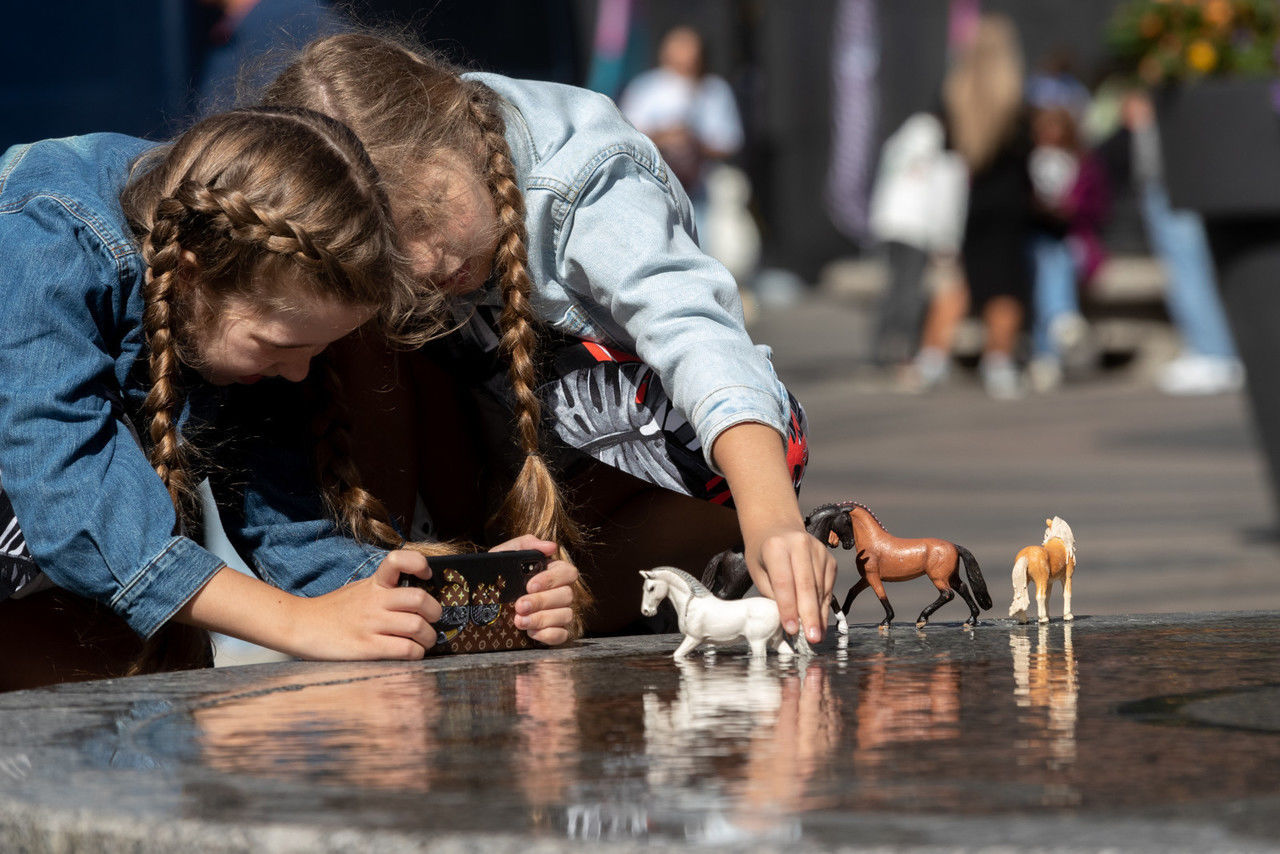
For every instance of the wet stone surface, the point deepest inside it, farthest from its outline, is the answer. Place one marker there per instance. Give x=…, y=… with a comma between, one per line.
x=1143, y=733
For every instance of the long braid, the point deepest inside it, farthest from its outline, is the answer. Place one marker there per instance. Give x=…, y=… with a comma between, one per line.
x=270, y=207
x=162, y=251
x=534, y=503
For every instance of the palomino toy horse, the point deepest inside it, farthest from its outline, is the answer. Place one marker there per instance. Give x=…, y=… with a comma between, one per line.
x=883, y=557
x=1055, y=560
x=703, y=618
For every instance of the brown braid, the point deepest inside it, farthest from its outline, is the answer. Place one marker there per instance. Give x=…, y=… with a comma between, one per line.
x=269, y=207
x=534, y=503
x=412, y=110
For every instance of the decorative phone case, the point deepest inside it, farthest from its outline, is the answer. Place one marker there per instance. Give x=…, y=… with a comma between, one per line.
x=477, y=593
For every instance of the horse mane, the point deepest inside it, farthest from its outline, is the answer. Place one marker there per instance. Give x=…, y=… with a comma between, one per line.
x=845, y=506
x=1059, y=528
x=695, y=586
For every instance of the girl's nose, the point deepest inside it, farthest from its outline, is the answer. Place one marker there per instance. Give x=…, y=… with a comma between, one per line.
x=296, y=368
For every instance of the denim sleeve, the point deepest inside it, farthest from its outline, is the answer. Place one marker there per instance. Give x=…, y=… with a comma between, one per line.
x=97, y=518
x=627, y=250
x=269, y=504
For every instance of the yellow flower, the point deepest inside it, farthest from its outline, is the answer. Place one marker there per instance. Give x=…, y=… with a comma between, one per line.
x=1202, y=56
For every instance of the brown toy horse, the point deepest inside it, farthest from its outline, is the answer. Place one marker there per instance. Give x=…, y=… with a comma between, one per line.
x=883, y=557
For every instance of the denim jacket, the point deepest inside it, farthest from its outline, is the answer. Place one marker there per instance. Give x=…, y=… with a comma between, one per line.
x=614, y=256
x=73, y=377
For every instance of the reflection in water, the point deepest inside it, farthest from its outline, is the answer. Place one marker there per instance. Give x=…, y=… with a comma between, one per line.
x=979, y=725
x=767, y=732
x=345, y=732
x=903, y=703
x=1047, y=691
x=547, y=728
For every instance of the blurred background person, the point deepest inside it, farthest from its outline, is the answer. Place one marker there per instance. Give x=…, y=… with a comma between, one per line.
x=689, y=114
x=1072, y=200
x=988, y=123
x=1208, y=363
x=917, y=213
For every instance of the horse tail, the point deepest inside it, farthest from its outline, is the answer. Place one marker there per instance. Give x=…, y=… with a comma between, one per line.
x=974, y=573
x=1021, y=602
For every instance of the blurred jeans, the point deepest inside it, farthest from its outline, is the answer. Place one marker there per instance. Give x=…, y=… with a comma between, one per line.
x=1055, y=293
x=1191, y=292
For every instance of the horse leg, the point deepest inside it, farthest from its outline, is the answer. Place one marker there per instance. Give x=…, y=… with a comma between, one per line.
x=1066, y=592
x=1042, y=598
x=686, y=646
x=842, y=622
x=878, y=587
x=959, y=587
x=944, y=596
x=842, y=613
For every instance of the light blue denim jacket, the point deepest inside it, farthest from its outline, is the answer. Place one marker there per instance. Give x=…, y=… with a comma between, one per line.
x=73, y=369
x=614, y=256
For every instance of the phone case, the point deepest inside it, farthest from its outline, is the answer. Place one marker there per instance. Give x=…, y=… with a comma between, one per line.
x=477, y=593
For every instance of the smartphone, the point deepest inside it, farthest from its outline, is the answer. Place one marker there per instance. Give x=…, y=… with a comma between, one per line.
x=507, y=572
x=476, y=592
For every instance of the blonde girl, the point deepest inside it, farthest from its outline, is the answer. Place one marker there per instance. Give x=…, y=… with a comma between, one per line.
x=568, y=252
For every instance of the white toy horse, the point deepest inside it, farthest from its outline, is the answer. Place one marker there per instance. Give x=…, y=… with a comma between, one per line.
x=704, y=618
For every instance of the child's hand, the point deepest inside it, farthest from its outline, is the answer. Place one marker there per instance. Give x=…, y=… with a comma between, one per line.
x=546, y=609
x=796, y=571
x=372, y=618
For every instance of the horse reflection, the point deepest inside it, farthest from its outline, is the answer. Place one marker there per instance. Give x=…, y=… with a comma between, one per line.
x=764, y=733
x=900, y=705
x=1047, y=690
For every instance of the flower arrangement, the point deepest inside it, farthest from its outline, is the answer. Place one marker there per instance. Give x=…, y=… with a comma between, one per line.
x=1165, y=40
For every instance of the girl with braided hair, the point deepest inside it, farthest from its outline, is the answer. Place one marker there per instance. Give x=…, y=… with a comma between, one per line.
x=591, y=327
x=145, y=287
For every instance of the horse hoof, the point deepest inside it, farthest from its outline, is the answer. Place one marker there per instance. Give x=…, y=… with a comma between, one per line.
x=1068, y=617
x=920, y=624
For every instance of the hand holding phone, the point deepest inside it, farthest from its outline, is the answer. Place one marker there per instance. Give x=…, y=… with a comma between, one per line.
x=476, y=593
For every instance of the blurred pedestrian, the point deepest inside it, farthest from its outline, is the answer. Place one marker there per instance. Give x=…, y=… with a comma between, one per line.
x=1072, y=200
x=1208, y=363
x=689, y=113
x=988, y=123
x=917, y=212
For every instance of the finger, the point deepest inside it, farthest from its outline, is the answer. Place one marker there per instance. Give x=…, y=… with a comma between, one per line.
x=807, y=601
x=782, y=577
x=550, y=637
x=554, y=618
x=527, y=541
x=559, y=597
x=397, y=648
x=559, y=573
x=400, y=562
x=414, y=600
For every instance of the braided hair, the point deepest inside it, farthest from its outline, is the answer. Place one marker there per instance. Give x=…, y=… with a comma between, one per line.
x=268, y=207
x=414, y=112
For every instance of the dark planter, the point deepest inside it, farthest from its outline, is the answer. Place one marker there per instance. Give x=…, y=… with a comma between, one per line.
x=1221, y=145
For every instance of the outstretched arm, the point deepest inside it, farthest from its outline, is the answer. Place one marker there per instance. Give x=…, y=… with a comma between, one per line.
x=785, y=562
x=372, y=618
